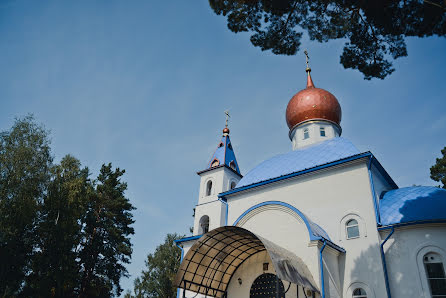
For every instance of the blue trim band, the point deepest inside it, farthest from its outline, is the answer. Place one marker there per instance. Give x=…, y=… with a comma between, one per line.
x=383, y=258
x=226, y=213
x=372, y=187
x=301, y=215
x=383, y=172
x=187, y=239
x=321, y=263
x=341, y=161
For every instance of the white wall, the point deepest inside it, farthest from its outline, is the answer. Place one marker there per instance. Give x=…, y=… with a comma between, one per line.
x=404, y=252
x=327, y=197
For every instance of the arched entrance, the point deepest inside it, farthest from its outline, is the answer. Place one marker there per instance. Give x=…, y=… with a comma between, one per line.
x=266, y=286
x=210, y=263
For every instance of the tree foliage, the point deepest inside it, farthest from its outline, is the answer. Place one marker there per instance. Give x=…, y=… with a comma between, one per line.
x=438, y=171
x=374, y=31
x=25, y=162
x=62, y=234
x=162, y=266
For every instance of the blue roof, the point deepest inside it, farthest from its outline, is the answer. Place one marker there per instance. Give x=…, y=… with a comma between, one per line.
x=301, y=159
x=410, y=204
x=224, y=155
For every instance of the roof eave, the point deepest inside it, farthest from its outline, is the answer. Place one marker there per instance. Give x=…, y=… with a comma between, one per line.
x=295, y=174
x=220, y=166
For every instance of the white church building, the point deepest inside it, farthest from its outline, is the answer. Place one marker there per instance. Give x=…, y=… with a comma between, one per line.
x=323, y=220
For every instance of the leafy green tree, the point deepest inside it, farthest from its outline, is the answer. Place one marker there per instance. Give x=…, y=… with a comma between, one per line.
x=61, y=233
x=106, y=243
x=438, y=171
x=162, y=266
x=55, y=269
x=25, y=162
x=374, y=31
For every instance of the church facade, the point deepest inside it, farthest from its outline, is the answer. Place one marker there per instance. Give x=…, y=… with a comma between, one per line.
x=323, y=220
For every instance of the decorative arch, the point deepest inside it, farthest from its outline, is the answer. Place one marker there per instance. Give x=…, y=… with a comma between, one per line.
x=356, y=285
x=315, y=232
x=421, y=252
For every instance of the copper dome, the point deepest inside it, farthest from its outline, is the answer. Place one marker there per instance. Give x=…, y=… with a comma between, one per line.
x=312, y=103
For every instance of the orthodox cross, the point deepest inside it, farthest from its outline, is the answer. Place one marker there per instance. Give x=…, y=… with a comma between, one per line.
x=227, y=117
x=307, y=58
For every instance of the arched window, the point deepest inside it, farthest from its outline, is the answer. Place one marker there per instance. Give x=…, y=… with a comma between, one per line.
x=265, y=286
x=352, y=229
x=209, y=188
x=359, y=293
x=435, y=274
x=204, y=225
x=306, y=133
x=233, y=184
x=322, y=131
x=230, y=146
x=232, y=165
x=220, y=145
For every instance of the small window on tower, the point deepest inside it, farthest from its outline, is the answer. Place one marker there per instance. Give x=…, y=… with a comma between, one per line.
x=230, y=146
x=306, y=133
x=220, y=145
x=232, y=165
x=233, y=184
x=322, y=129
x=209, y=188
x=204, y=225
x=352, y=227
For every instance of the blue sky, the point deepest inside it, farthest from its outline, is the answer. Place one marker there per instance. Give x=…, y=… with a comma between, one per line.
x=143, y=84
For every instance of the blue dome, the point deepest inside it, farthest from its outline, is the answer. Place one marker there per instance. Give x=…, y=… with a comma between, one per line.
x=298, y=160
x=409, y=204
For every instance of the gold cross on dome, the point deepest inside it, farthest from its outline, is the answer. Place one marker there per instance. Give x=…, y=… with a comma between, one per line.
x=227, y=117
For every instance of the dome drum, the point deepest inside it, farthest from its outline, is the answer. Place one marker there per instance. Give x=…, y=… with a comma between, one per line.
x=336, y=126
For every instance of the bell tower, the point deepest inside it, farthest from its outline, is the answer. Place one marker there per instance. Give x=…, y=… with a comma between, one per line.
x=221, y=174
